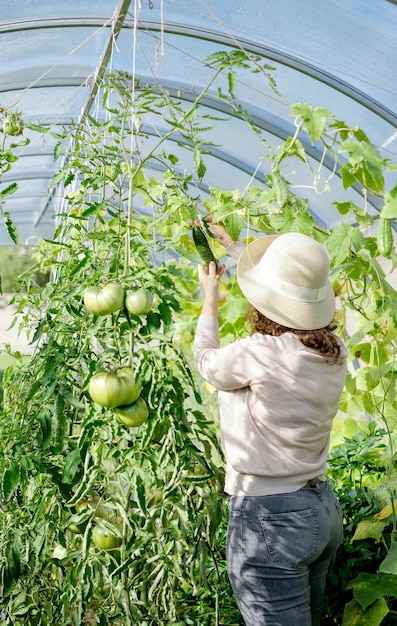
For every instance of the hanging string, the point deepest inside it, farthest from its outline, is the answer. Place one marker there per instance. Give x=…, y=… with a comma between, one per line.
x=137, y=9
x=162, y=27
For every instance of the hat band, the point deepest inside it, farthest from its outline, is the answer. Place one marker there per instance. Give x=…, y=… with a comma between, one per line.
x=302, y=294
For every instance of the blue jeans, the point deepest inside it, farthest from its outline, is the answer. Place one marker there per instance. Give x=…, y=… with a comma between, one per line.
x=279, y=549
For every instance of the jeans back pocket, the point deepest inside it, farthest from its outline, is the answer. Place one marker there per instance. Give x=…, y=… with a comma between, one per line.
x=291, y=538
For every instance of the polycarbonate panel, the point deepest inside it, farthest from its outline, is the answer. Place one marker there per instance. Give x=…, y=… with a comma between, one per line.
x=19, y=10
x=335, y=54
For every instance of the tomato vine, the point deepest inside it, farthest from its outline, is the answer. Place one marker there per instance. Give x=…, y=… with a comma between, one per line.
x=161, y=482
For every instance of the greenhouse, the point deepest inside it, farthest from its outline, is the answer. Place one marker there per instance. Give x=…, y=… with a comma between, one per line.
x=198, y=312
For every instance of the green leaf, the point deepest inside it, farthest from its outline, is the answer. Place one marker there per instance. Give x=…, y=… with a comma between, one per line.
x=389, y=565
x=46, y=429
x=289, y=221
x=40, y=538
x=166, y=314
x=231, y=79
x=7, y=191
x=7, y=581
x=69, y=397
x=234, y=224
x=389, y=209
x=388, y=585
x=344, y=207
x=314, y=120
x=369, y=529
x=12, y=231
x=14, y=561
x=11, y=478
x=292, y=147
x=72, y=462
x=366, y=164
x=354, y=615
x=140, y=493
x=58, y=150
x=339, y=243
x=366, y=589
x=60, y=175
x=234, y=309
x=10, y=157
x=37, y=128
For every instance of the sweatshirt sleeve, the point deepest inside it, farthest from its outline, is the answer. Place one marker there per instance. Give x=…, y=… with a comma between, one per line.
x=235, y=249
x=224, y=368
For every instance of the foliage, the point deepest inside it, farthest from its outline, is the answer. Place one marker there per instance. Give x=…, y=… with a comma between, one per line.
x=356, y=467
x=161, y=484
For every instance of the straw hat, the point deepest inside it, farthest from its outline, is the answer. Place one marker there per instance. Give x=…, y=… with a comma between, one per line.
x=285, y=277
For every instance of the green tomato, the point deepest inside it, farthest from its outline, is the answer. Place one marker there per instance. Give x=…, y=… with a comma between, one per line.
x=97, y=508
x=12, y=125
x=80, y=506
x=104, y=539
x=139, y=302
x=134, y=414
x=114, y=389
x=104, y=300
x=77, y=529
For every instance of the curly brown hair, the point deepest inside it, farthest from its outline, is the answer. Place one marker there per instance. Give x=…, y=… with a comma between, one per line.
x=323, y=340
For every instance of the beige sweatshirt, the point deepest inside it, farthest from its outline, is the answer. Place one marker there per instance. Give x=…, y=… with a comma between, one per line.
x=277, y=400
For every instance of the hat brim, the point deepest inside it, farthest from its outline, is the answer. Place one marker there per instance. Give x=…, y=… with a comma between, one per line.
x=279, y=308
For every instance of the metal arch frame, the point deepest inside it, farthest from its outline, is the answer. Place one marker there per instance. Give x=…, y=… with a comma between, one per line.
x=53, y=22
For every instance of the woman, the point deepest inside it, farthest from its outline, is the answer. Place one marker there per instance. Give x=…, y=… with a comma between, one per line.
x=279, y=391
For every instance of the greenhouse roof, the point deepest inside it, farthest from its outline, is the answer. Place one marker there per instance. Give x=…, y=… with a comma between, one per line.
x=332, y=54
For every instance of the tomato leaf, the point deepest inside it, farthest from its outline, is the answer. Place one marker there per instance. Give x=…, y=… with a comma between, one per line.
x=46, y=429
x=72, y=462
x=231, y=79
x=7, y=191
x=58, y=150
x=14, y=561
x=140, y=493
x=69, y=397
x=11, y=478
x=166, y=314
x=12, y=231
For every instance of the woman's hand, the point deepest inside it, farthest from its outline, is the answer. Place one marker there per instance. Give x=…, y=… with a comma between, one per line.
x=218, y=229
x=209, y=281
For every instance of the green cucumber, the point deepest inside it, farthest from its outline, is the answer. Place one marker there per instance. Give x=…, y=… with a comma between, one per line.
x=202, y=245
x=385, y=236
